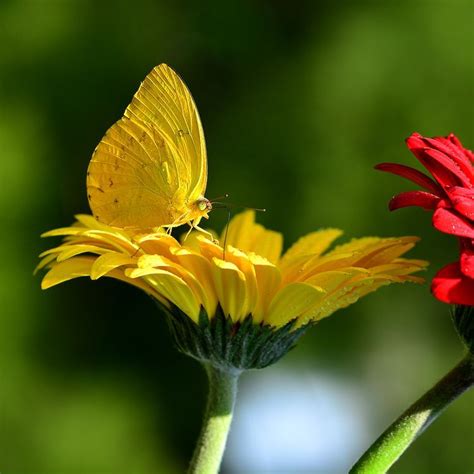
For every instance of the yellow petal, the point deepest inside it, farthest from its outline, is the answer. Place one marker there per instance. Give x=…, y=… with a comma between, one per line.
x=386, y=251
x=208, y=249
x=330, y=281
x=292, y=301
x=67, y=270
x=346, y=295
x=231, y=290
x=157, y=243
x=244, y=234
x=268, y=278
x=91, y=223
x=66, y=251
x=117, y=241
x=239, y=228
x=152, y=261
x=189, y=239
x=355, y=245
x=242, y=261
x=108, y=262
x=268, y=244
x=314, y=244
x=80, y=267
x=171, y=287
x=302, y=268
x=202, y=294
x=44, y=262
x=200, y=267
x=63, y=231
x=400, y=267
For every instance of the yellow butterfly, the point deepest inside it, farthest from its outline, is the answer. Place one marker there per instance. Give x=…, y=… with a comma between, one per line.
x=150, y=169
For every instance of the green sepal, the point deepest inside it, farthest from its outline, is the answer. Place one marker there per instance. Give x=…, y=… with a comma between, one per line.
x=463, y=319
x=231, y=346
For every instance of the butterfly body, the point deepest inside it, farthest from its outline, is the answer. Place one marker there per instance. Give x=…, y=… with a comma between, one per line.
x=150, y=168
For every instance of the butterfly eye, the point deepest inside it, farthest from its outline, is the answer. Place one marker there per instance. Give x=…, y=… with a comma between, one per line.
x=203, y=204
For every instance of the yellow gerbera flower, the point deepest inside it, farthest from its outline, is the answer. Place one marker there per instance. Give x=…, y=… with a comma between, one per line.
x=250, y=277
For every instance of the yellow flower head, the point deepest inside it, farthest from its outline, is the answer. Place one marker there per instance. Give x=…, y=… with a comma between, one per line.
x=249, y=278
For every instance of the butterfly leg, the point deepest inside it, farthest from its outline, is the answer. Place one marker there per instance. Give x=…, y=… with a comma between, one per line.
x=205, y=232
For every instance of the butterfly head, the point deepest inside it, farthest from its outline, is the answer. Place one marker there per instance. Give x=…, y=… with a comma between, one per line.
x=203, y=205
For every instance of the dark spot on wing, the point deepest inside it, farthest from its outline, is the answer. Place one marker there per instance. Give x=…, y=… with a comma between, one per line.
x=111, y=183
x=101, y=190
x=116, y=201
x=181, y=133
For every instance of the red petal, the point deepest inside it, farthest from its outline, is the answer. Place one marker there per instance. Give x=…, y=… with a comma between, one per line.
x=455, y=140
x=414, y=198
x=467, y=257
x=413, y=175
x=449, y=222
x=442, y=166
x=451, y=286
x=463, y=200
x=454, y=152
x=445, y=167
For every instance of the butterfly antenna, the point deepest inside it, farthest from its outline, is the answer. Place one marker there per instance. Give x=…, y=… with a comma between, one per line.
x=229, y=212
x=214, y=200
x=242, y=206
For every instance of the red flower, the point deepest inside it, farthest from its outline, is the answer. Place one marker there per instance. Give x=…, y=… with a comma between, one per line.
x=451, y=196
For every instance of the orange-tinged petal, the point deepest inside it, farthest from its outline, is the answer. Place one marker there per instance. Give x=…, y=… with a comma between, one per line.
x=292, y=301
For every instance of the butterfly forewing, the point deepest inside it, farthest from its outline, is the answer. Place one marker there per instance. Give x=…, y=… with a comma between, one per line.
x=151, y=165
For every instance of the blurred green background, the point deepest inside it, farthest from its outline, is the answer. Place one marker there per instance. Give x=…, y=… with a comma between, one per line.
x=299, y=100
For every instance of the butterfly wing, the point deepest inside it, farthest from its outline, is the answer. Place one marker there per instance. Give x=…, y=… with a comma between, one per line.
x=151, y=165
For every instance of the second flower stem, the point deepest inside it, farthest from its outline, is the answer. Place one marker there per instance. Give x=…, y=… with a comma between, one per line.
x=217, y=419
x=398, y=437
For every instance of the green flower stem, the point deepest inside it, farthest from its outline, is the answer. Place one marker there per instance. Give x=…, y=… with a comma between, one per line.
x=398, y=437
x=217, y=418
